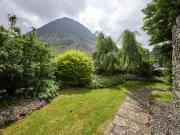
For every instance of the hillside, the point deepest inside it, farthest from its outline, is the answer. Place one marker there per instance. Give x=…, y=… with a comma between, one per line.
x=65, y=33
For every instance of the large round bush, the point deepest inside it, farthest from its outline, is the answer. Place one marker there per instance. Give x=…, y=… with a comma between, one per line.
x=74, y=68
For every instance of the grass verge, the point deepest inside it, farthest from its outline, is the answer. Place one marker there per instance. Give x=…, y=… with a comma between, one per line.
x=163, y=96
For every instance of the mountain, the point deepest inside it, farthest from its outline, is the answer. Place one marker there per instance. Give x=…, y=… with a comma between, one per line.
x=66, y=33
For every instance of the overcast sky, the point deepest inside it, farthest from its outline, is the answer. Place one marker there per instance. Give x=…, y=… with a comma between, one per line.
x=109, y=16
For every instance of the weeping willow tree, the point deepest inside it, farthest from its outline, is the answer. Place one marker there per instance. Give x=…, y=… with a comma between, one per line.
x=130, y=54
x=105, y=56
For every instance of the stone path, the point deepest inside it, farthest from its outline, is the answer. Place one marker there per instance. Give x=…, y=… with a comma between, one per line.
x=165, y=117
x=133, y=115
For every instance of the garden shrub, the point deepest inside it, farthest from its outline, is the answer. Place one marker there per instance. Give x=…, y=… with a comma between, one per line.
x=100, y=81
x=24, y=58
x=128, y=77
x=167, y=73
x=146, y=69
x=105, y=81
x=74, y=68
x=48, y=89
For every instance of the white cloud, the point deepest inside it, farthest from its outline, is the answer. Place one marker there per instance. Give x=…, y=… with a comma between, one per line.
x=39, y=12
x=111, y=17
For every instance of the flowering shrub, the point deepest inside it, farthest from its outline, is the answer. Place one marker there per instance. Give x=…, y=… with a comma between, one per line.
x=40, y=103
x=14, y=113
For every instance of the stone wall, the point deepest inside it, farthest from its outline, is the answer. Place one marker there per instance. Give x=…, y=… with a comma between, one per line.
x=176, y=57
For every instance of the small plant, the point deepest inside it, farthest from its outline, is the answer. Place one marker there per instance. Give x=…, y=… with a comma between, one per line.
x=74, y=68
x=104, y=81
x=48, y=90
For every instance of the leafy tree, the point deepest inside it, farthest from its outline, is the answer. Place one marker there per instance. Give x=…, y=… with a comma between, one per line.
x=24, y=60
x=130, y=54
x=36, y=60
x=162, y=57
x=167, y=60
x=157, y=55
x=105, y=56
x=160, y=16
x=10, y=54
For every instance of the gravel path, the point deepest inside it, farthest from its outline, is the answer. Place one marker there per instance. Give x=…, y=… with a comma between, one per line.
x=133, y=115
x=139, y=115
x=165, y=118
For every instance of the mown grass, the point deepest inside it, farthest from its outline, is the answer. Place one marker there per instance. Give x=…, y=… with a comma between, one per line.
x=163, y=96
x=76, y=112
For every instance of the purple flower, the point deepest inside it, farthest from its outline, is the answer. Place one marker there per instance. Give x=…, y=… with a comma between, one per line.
x=18, y=117
x=40, y=103
x=3, y=113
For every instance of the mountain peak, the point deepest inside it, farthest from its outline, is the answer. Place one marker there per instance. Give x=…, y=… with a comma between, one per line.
x=65, y=18
x=66, y=33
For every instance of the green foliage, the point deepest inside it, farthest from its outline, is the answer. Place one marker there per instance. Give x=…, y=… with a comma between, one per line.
x=166, y=52
x=144, y=52
x=48, y=89
x=105, y=56
x=36, y=61
x=131, y=58
x=167, y=73
x=157, y=55
x=162, y=55
x=24, y=59
x=146, y=69
x=160, y=16
x=104, y=82
x=10, y=54
x=74, y=68
x=130, y=55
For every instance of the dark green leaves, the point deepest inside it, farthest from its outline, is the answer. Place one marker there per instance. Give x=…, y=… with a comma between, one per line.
x=24, y=60
x=160, y=16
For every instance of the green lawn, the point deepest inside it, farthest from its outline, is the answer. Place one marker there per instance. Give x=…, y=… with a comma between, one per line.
x=163, y=96
x=76, y=112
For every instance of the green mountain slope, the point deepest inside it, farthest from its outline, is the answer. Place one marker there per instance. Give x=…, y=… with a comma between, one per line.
x=65, y=33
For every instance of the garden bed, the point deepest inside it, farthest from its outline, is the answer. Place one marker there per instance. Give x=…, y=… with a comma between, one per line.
x=18, y=108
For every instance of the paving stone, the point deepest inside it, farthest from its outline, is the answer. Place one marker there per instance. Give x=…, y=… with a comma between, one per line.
x=132, y=117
